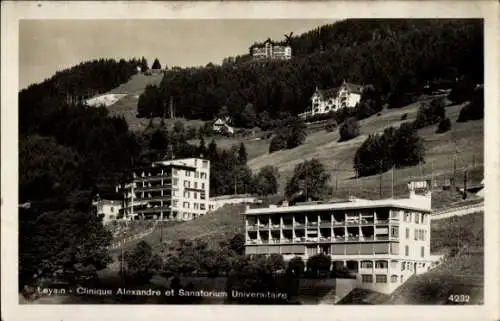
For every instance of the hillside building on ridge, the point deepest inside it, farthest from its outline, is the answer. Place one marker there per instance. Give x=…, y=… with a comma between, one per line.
x=271, y=50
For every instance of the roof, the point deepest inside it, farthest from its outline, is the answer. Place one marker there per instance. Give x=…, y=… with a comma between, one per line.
x=354, y=204
x=332, y=92
x=353, y=88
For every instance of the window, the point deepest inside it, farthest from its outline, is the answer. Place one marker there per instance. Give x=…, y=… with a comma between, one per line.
x=394, y=231
x=407, y=250
x=408, y=217
x=186, y=194
x=188, y=173
x=366, y=264
x=175, y=181
x=422, y=251
x=195, y=184
x=205, y=164
x=367, y=278
x=425, y=235
x=174, y=203
x=195, y=206
x=195, y=195
x=185, y=205
x=415, y=235
x=380, y=278
x=381, y=264
x=175, y=172
x=175, y=192
x=186, y=184
x=112, y=209
x=196, y=175
x=407, y=233
x=394, y=278
x=416, y=217
x=401, y=279
x=202, y=195
x=402, y=266
x=202, y=206
x=203, y=185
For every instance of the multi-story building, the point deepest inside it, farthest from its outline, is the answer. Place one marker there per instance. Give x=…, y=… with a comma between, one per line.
x=383, y=242
x=324, y=101
x=169, y=190
x=271, y=50
x=107, y=210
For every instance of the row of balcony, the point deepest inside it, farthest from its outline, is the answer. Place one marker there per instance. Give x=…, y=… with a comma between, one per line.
x=315, y=224
x=298, y=240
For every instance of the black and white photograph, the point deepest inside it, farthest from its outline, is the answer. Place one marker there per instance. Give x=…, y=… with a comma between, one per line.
x=250, y=161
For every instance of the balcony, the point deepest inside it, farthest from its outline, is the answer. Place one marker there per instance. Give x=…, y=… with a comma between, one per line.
x=299, y=225
x=151, y=188
x=356, y=222
x=339, y=238
x=154, y=210
x=325, y=224
x=382, y=237
x=338, y=223
x=154, y=198
x=325, y=239
x=353, y=238
x=275, y=226
x=366, y=222
x=263, y=226
x=254, y=241
x=380, y=222
x=312, y=224
x=288, y=226
x=252, y=227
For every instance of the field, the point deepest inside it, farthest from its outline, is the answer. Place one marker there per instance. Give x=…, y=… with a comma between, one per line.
x=464, y=138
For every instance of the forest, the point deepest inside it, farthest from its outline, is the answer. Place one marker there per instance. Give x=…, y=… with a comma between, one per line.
x=358, y=51
x=69, y=151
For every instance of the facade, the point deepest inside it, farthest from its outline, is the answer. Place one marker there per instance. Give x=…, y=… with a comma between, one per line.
x=176, y=190
x=383, y=242
x=324, y=101
x=271, y=50
x=108, y=210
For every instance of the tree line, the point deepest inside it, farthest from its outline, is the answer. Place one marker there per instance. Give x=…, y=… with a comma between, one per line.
x=425, y=50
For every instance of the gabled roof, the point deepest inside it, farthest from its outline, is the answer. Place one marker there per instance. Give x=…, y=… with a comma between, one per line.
x=327, y=93
x=353, y=88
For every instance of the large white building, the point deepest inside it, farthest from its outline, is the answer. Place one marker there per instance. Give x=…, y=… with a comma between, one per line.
x=383, y=242
x=271, y=50
x=324, y=101
x=175, y=190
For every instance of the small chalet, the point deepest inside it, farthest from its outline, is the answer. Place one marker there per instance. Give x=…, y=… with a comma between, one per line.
x=221, y=125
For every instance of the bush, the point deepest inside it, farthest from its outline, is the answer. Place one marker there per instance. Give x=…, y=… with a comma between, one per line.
x=475, y=109
x=444, y=126
x=395, y=147
x=319, y=265
x=349, y=129
x=404, y=116
x=291, y=134
x=430, y=113
x=331, y=126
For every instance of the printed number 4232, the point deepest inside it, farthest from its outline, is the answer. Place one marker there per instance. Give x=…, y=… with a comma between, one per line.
x=459, y=298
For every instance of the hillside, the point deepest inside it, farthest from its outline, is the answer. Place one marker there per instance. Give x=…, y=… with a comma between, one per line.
x=127, y=106
x=216, y=226
x=338, y=156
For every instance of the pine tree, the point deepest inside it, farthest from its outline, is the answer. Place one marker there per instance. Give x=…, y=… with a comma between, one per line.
x=242, y=155
x=156, y=65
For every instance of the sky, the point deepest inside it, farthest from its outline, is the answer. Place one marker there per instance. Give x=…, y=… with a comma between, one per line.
x=46, y=46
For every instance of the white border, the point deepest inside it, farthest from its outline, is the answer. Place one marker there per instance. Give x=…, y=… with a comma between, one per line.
x=12, y=12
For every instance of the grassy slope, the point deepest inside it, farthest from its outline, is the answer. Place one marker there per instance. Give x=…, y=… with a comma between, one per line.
x=214, y=227
x=461, y=274
x=440, y=150
x=127, y=106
